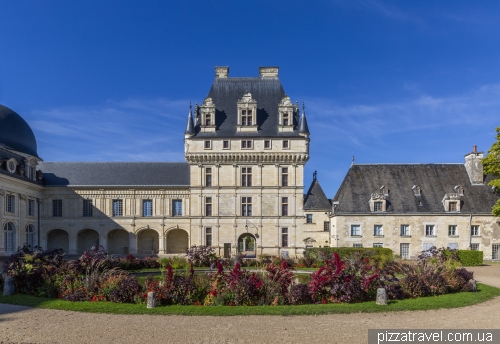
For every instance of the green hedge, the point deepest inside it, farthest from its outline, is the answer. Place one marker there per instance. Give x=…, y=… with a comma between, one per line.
x=470, y=258
x=322, y=253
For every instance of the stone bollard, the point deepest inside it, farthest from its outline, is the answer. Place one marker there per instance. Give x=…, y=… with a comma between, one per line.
x=381, y=296
x=151, y=299
x=8, y=286
x=473, y=285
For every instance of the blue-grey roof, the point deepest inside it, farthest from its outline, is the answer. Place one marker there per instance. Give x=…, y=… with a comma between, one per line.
x=15, y=133
x=315, y=198
x=115, y=173
x=226, y=92
x=434, y=180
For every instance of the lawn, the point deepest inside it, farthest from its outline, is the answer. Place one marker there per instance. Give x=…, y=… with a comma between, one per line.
x=455, y=300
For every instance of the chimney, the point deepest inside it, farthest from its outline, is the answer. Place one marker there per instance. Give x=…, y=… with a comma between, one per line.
x=221, y=72
x=474, y=166
x=268, y=72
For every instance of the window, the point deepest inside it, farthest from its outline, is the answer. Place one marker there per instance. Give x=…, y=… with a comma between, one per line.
x=9, y=236
x=208, y=176
x=285, y=119
x=474, y=247
x=267, y=144
x=377, y=206
x=208, y=119
x=357, y=245
x=286, y=144
x=87, y=208
x=30, y=235
x=326, y=226
x=428, y=246
x=284, y=176
x=147, y=207
x=495, y=249
x=429, y=230
x=31, y=207
x=284, y=206
x=246, y=144
x=31, y=172
x=474, y=230
x=378, y=244
x=453, y=245
x=452, y=230
x=117, y=207
x=355, y=230
x=208, y=236
x=377, y=230
x=177, y=207
x=309, y=218
x=246, y=206
x=208, y=144
x=57, y=207
x=452, y=206
x=246, y=176
x=10, y=204
x=404, y=251
x=246, y=117
x=225, y=144
x=208, y=206
x=284, y=237
x=405, y=230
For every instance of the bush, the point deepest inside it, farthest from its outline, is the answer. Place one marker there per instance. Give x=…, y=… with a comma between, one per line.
x=299, y=294
x=201, y=255
x=379, y=256
x=120, y=288
x=470, y=258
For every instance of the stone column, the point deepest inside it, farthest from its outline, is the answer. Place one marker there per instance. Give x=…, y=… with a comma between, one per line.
x=132, y=243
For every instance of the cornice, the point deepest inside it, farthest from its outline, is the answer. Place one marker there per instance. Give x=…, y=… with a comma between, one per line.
x=197, y=158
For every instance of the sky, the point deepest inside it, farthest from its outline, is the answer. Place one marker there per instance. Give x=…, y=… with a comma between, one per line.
x=383, y=81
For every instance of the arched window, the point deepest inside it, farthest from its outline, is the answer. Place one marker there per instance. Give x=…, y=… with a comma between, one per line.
x=30, y=235
x=9, y=234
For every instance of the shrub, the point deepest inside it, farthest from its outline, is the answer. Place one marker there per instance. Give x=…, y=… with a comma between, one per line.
x=299, y=294
x=470, y=258
x=379, y=256
x=120, y=288
x=176, y=262
x=276, y=283
x=200, y=255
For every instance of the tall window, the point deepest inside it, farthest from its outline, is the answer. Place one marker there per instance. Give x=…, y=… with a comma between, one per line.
x=284, y=237
x=284, y=176
x=117, y=207
x=10, y=204
x=452, y=230
x=147, y=207
x=285, y=119
x=404, y=251
x=9, y=235
x=246, y=176
x=208, y=119
x=246, y=144
x=87, y=208
x=246, y=117
x=31, y=172
x=30, y=235
x=177, y=207
x=208, y=176
x=495, y=250
x=377, y=230
x=284, y=206
x=31, y=207
x=355, y=230
x=208, y=206
x=246, y=206
x=326, y=226
x=208, y=236
x=429, y=230
x=405, y=230
x=57, y=207
x=474, y=230
x=309, y=218
x=377, y=206
x=474, y=247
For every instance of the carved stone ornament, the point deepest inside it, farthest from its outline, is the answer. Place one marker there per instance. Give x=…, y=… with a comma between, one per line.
x=208, y=102
x=11, y=165
x=378, y=196
x=247, y=98
x=39, y=175
x=452, y=196
x=286, y=101
x=309, y=240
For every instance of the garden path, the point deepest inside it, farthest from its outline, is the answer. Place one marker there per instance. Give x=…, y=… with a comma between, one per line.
x=27, y=325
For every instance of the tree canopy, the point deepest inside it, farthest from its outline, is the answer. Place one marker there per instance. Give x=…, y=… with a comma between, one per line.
x=491, y=164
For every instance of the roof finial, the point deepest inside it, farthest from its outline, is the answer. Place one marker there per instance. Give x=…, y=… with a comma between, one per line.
x=352, y=161
x=190, y=107
x=315, y=174
x=303, y=107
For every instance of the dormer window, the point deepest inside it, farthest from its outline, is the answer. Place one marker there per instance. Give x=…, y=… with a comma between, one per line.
x=459, y=190
x=285, y=119
x=378, y=202
x=416, y=190
x=377, y=206
x=286, y=111
x=452, y=206
x=452, y=202
x=246, y=117
x=247, y=113
x=208, y=119
x=207, y=110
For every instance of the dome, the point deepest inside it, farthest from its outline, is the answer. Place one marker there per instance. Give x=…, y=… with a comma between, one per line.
x=15, y=133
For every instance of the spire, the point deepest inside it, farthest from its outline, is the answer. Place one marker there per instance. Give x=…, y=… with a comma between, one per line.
x=303, y=128
x=190, y=125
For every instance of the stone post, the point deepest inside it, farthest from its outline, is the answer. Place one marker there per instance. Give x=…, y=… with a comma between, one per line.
x=151, y=299
x=473, y=285
x=381, y=296
x=8, y=286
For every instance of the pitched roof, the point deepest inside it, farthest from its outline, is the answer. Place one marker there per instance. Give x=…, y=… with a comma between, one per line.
x=226, y=92
x=115, y=173
x=316, y=198
x=434, y=180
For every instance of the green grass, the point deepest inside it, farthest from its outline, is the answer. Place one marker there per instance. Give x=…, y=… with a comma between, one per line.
x=485, y=293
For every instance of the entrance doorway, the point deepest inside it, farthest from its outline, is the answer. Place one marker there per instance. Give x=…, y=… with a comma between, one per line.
x=247, y=245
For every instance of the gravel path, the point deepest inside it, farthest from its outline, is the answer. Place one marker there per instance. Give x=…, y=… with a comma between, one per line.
x=28, y=325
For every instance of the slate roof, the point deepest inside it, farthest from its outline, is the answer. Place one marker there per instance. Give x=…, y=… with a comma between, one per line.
x=115, y=173
x=435, y=180
x=226, y=92
x=15, y=133
x=315, y=198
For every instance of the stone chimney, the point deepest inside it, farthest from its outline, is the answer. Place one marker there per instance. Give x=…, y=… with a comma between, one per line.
x=268, y=72
x=474, y=166
x=221, y=72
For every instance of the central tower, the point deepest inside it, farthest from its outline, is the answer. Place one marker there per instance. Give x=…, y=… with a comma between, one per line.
x=246, y=146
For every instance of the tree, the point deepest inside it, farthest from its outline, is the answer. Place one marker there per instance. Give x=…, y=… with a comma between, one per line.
x=491, y=166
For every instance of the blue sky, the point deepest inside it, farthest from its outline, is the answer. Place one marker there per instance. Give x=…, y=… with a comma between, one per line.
x=385, y=81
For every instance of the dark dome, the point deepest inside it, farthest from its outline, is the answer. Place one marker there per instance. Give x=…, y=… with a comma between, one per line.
x=15, y=133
